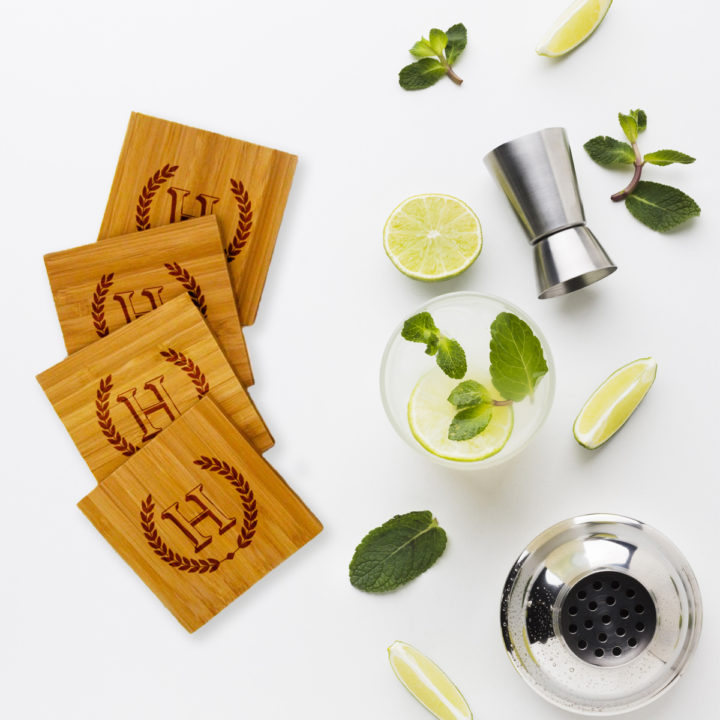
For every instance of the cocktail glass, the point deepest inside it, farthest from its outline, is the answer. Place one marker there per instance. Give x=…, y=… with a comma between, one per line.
x=466, y=317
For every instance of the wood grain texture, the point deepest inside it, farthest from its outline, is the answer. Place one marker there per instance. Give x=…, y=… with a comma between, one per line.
x=199, y=515
x=101, y=287
x=168, y=172
x=117, y=394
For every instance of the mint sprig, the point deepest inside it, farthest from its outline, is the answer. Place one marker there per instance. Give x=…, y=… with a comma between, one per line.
x=437, y=56
x=660, y=207
x=449, y=354
x=397, y=552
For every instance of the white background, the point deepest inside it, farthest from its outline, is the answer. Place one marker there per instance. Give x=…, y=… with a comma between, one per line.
x=82, y=635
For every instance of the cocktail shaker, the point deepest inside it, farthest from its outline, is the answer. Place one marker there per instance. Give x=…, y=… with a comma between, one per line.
x=600, y=614
x=537, y=174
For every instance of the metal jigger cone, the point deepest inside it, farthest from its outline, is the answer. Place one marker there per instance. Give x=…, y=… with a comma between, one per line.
x=537, y=174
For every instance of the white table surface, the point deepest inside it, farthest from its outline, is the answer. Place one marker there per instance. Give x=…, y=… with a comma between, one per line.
x=82, y=636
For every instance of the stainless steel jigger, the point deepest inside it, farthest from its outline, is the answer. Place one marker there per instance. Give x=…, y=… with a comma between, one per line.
x=538, y=176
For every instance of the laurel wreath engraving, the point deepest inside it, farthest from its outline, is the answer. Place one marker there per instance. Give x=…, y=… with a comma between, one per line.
x=142, y=210
x=190, y=367
x=242, y=488
x=190, y=284
x=165, y=553
x=98, y=304
x=107, y=426
x=242, y=231
x=204, y=565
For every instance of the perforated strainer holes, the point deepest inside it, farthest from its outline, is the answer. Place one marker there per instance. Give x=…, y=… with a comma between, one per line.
x=608, y=618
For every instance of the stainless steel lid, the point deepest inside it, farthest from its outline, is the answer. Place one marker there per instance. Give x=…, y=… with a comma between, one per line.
x=600, y=614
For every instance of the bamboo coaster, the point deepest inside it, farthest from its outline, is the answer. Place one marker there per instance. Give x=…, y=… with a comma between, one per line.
x=121, y=391
x=199, y=515
x=169, y=172
x=101, y=287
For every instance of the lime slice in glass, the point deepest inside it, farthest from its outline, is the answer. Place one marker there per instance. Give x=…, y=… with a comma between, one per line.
x=430, y=415
x=609, y=407
x=432, y=237
x=427, y=683
x=574, y=26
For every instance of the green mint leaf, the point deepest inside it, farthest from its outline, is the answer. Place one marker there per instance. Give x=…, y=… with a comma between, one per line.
x=469, y=422
x=660, y=207
x=421, y=49
x=629, y=125
x=420, y=328
x=668, y=157
x=421, y=74
x=451, y=358
x=397, y=552
x=608, y=151
x=469, y=393
x=516, y=357
x=640, y=118
x=438, y=41
x=456, y=42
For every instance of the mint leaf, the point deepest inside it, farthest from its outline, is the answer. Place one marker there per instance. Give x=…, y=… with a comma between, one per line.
x=456, y=42
x=421, y=49
x=640, y=118
x=661, y=207
x=516, y=357
x=469, y=393
x=438, y=41
x=421, y=74
x=420, y=328
x=668, y=157
x=451, y=358
x=397, y=552
x=629, y=125
x=608, y=151
x=470, y=421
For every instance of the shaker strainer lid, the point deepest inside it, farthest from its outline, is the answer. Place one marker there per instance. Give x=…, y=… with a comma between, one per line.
x=600, y=614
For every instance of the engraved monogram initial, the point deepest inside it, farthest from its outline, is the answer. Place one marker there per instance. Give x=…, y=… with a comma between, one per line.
x=178, y=210
x=208, y=510
x=141, y=413
x=131, y=312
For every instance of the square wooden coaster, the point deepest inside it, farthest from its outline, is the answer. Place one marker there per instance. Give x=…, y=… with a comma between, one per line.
x=101, y=287
x=117, y=394
x=168, y=172
x=199, y=515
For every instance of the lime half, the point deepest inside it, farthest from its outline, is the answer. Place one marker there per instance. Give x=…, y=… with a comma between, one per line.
x=427, y=683
x=432, y=237
x=430, y=415
x=613, y=403
x=574, y=26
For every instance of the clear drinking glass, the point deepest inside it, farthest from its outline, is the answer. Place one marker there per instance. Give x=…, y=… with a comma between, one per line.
x=466, y=317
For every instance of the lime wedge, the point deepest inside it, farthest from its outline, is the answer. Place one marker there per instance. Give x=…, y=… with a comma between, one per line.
x=574, y=26
x=430, y=686
x=432, y=237
x=430, y=415
x=613, y=403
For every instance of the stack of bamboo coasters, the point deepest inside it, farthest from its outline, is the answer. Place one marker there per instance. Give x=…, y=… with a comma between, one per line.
x=154, y=389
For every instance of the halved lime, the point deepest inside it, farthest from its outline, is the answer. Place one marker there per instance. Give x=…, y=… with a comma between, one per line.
x=574, y=26
x=609, y=407
x=427, y=683
x=430, y=415
x=432, y=237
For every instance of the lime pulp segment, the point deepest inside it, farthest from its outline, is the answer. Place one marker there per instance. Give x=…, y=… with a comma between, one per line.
x=610, y=406
x=427, y=683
